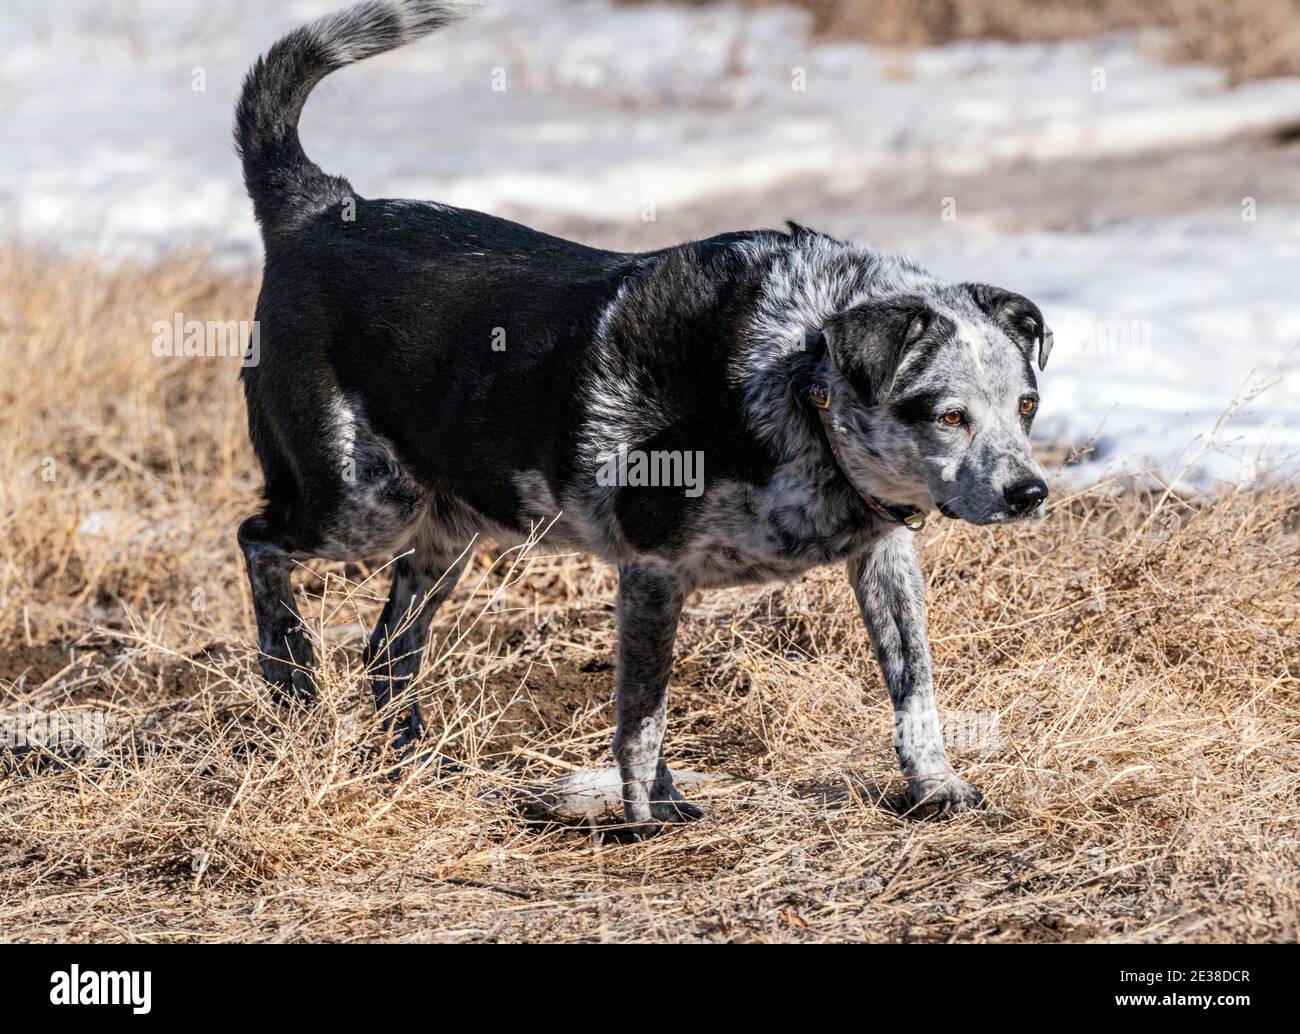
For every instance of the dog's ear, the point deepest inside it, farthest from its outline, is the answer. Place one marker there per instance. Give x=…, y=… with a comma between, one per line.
x=1018, y=316
x=867, y=343
x=799, y=230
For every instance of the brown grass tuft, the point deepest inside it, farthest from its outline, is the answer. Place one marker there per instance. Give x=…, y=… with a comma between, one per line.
x=1251, y=40
x=1121, y=680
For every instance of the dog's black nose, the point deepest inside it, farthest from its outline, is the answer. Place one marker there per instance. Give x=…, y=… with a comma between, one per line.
x=1023, y=496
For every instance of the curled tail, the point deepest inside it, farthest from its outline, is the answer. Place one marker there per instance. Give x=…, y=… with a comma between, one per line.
x=281, y=179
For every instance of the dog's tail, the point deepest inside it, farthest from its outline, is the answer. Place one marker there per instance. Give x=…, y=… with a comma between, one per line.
x=282, y=181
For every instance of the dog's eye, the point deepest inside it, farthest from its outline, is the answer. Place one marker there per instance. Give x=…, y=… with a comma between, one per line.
x=1028, y=405
x=954, y=418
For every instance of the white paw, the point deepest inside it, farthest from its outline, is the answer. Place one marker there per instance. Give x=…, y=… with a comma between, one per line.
x=943, y=795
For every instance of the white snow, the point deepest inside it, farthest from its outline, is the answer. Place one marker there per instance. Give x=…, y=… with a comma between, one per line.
x=107, y=141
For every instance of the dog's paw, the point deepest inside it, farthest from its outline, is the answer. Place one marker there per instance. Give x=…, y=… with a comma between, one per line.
x=667, y=807
x=940, y=796
x=412, y=753
x=430, y=763
x=406, y=730
x=289, y=684
x=398, y=760
x=678, y=810
x=666, y=814
x=287, y=667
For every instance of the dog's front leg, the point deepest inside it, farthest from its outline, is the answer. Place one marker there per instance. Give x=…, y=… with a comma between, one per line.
x=649, y=605
x=891, y=592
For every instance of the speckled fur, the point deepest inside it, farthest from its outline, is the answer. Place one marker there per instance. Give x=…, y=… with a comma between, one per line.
x=387, y=425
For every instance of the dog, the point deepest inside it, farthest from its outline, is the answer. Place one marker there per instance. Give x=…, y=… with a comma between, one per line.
x=429, y=374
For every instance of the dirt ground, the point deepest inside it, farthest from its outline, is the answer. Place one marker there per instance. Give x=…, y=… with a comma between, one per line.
x=1121, y=680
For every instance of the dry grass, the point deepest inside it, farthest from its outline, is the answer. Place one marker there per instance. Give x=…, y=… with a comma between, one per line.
x=1251, y=39
x=1124, y=676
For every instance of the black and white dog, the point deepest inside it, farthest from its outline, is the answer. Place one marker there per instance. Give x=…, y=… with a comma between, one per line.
x=429, y=373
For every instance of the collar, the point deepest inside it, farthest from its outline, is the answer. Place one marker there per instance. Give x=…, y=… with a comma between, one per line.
x=910, y=517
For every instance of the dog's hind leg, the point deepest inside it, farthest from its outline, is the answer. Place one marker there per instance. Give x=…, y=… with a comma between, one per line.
x=423, y=578
x=284, y=647
x=649, y=606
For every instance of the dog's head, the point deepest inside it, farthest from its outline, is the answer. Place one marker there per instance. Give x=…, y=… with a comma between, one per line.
x=931, y=399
